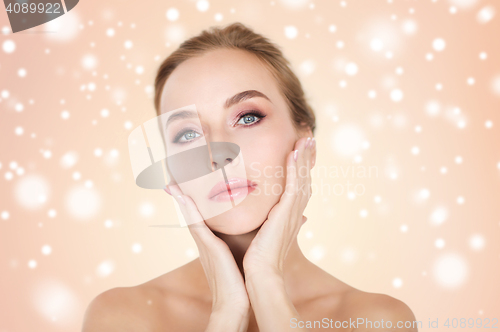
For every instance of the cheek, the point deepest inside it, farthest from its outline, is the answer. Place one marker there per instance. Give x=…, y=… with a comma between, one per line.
x=266, y=160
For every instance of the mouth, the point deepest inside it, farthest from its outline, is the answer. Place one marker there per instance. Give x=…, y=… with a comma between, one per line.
x=234, y=188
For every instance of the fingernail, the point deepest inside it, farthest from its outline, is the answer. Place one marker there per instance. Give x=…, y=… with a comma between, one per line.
x=295, y=155
x=308, y=142
x=313, y=142
x=181, y=199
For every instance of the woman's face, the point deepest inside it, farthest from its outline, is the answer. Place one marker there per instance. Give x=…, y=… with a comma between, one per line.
x=261, y=126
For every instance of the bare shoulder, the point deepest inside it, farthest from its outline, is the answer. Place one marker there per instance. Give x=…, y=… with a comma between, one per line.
x=160, y=304
x=117, y=309
x=379, y=308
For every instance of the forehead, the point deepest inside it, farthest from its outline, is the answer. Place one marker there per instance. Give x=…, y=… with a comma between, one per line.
x=210, y=79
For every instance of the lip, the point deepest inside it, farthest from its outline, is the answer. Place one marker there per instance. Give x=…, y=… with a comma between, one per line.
x=237, y=186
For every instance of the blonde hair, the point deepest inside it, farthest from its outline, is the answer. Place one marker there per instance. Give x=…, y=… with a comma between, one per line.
x=239, y=36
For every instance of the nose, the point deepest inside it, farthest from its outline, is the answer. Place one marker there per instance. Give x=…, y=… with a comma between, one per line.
x=223, y=153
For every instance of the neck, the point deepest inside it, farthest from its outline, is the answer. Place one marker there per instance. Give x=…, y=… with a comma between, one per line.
x=238, y=244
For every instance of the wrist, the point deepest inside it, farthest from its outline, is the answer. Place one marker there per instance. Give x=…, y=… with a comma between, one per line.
x=231, y=311
x=270, y=301
x=264, y=281
x=228, y=319
x=269, y=274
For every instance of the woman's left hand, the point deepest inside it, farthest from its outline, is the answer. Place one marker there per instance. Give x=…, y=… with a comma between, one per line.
x=269, y=248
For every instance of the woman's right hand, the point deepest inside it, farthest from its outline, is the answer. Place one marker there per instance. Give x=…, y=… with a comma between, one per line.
x=230, y=302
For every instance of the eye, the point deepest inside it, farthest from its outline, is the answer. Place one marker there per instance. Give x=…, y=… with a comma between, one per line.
x=186, y=136
x=249, y=119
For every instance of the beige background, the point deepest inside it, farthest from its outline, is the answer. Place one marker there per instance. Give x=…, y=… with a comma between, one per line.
x=425, y=230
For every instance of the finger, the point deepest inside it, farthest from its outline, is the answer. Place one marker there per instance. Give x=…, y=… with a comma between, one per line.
x=197, y=226
x=188, y=206
x=303, y=145
x=308, y=153
x=304, y=167
x=167, y=190
x=313, y=157
x=173, y=190
x=304, y=219
x=291, y=178
x=176, y=194
x=294, y=162
x=193, y=217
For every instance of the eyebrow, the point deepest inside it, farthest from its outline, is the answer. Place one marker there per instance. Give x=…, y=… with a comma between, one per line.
x=180, y=115
x=237, y=98
x=244, y=95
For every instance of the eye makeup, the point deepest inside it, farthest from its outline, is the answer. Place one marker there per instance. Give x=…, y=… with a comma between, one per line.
x=256, y=113
x=183, y=132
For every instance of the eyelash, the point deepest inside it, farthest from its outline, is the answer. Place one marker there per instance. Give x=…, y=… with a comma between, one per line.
x=254, y=113
x=181, y=134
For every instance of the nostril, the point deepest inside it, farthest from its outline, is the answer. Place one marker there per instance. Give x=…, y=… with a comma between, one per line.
x=229, y=160
x=214, y=165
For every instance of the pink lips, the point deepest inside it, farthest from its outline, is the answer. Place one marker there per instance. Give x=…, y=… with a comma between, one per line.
x=235, y=187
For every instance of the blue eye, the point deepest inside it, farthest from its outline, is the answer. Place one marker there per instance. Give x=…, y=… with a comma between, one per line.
x=249, y=119
x=187, y=136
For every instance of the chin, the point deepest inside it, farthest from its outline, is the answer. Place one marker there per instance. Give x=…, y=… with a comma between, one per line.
x=239, y=220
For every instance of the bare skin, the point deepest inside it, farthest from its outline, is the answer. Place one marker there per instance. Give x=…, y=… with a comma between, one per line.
x=181, y=301
x=251, y=274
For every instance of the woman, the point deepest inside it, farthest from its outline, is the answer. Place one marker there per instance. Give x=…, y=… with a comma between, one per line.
x=251, y=274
